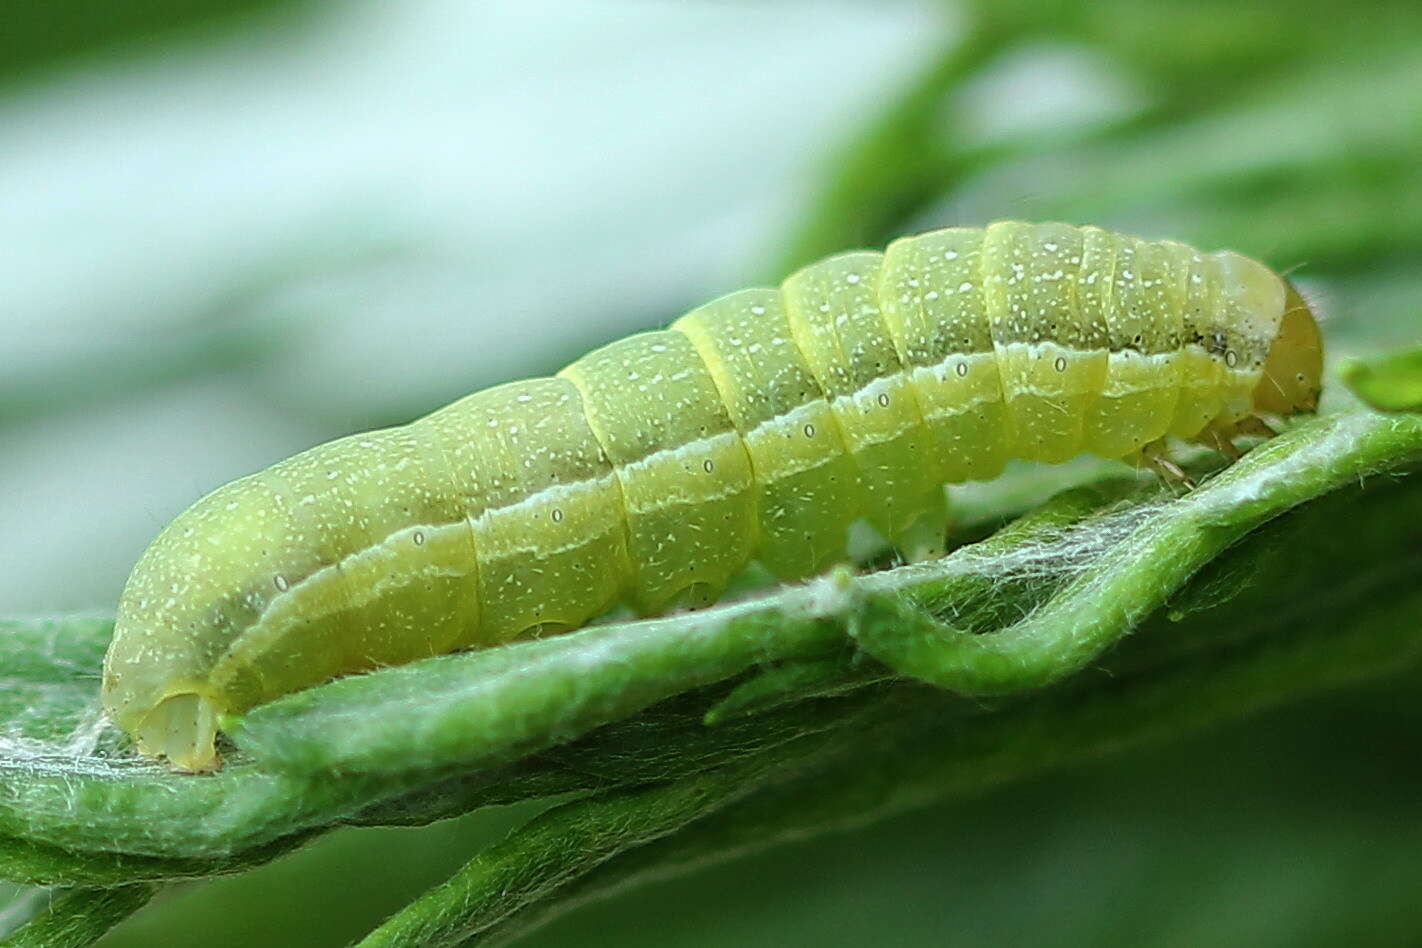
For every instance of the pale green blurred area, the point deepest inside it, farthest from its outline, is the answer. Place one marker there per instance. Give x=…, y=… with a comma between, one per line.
x=233, y=230
x=219, y=252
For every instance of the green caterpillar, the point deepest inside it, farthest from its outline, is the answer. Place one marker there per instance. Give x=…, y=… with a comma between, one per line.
x=758, y=427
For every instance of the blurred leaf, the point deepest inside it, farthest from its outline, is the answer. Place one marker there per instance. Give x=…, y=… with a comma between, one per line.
x=1392, y=382
x=38, y=34
x=895, y=164
x=1293, y=129
x=1301, y=169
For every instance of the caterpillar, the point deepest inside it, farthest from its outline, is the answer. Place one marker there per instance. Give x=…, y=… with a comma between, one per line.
x=759, y=426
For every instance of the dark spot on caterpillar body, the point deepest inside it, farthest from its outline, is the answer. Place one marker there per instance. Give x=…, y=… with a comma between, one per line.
x=760, y=426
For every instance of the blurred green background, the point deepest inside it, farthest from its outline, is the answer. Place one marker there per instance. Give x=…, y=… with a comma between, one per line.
x=234, y=229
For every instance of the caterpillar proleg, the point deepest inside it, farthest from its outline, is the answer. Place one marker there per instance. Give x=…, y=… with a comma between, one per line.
x=760, y=426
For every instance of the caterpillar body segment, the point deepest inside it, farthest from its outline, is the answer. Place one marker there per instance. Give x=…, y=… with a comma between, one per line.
x=760, y=426
x=807, y=484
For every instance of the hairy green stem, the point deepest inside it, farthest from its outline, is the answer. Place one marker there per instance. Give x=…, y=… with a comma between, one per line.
x=566, y=842
x=78, y=917
x=1135, y=577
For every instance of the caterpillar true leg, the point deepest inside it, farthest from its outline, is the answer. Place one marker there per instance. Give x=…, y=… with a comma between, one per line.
x=1156, y=457
x=1255, y=426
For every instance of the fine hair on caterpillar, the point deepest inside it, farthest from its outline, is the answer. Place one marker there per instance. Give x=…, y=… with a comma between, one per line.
x=758, y=427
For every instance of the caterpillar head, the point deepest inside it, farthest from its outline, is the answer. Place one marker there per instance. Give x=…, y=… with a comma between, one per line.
x=1293, y=371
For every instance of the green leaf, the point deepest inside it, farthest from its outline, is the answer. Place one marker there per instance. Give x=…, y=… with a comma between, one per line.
x=1270, y=643
x=484, y=707
x=1392, y=382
